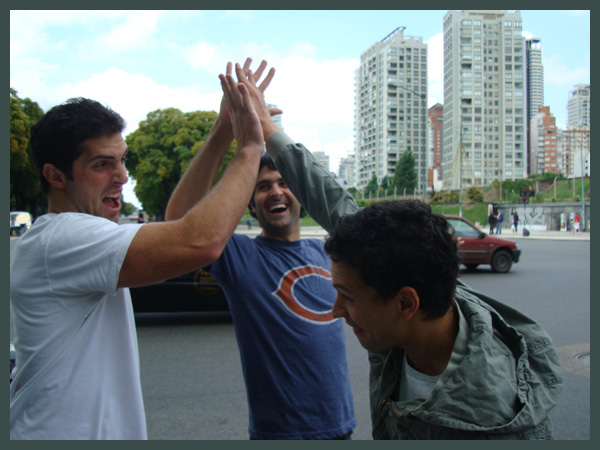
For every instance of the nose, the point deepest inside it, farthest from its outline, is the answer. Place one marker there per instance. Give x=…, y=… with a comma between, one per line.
x=121, y=174
x=276, y=191
x=338, y=310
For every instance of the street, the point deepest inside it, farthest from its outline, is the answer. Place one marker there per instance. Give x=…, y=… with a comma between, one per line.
x=192, y=377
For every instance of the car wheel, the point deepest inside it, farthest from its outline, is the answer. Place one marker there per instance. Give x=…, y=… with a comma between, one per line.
x=501, y=261
x=471, y=266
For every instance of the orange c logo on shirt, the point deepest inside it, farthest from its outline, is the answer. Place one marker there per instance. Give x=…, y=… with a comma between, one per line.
x=285, y=293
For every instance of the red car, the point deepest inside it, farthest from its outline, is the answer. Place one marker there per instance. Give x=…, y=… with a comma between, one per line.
x=478, y=247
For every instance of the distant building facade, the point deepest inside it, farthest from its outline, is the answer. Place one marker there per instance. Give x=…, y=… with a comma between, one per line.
x=390, y=107
x=322, y=158
x=535, y=87
x=579, y=106
x=546, y=154
x=347, y=170
x=436, y=128
x=484, y=97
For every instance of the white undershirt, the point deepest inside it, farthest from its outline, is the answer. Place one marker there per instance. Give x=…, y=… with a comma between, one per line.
x=417, y=385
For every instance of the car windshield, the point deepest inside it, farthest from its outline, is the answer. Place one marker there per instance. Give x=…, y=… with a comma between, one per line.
x=463, y=229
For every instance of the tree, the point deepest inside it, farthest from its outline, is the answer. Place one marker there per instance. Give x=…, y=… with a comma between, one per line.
x=25, y=191
x=474, y=195
x=372, y=187
x=405, y=175
x=161, y=149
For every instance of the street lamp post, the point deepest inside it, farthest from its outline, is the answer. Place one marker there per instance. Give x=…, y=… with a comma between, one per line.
x=582, y=224
x=424, y=158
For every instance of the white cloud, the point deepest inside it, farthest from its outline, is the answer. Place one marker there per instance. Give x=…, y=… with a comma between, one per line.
x=137, y=28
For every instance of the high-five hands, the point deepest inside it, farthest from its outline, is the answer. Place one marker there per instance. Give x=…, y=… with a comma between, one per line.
x=244, y=119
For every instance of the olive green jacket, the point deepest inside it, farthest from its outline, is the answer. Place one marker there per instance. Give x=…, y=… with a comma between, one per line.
x=503, y=388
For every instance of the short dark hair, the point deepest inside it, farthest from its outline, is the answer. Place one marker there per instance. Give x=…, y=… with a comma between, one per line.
x=266, y=160
x=58, y=136
x=394, y=244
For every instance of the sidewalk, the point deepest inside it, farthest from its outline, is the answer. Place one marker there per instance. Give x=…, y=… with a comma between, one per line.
x=320, y=233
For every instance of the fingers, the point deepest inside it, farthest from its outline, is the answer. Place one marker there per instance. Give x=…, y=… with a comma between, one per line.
x=268, y=79
x=260, y=70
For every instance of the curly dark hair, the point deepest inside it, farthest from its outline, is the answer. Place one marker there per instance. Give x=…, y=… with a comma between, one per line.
x=58, y=136
x=394, y=244
x=266, y=160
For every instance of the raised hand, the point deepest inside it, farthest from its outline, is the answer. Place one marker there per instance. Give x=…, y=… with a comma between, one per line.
x=244, y=119
x=223, y=112
x=249, y=79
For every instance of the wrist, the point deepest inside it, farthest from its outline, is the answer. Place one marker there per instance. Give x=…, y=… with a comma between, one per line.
x=269, y=127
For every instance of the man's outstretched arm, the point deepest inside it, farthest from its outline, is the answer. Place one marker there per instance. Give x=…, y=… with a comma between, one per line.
x=197, y=179
x=315, y=188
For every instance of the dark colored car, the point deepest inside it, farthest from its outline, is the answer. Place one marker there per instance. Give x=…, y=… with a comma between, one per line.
x=194, y=291
x=478, y=247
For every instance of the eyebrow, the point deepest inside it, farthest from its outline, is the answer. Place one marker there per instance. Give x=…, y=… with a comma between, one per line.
x=109, y=157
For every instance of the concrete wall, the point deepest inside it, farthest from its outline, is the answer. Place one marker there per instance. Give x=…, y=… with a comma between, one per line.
x=544, y=216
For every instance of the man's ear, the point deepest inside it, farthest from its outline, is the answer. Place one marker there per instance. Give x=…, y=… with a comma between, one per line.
x=54, y=176
x=408, y=302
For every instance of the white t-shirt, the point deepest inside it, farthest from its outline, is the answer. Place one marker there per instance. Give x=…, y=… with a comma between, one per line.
x=77, y=374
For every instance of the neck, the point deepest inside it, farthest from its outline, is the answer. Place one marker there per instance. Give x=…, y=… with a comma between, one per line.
x=430, y=349
x=288, y=235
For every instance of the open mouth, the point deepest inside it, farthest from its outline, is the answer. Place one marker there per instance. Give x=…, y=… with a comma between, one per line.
x=278, y=208
x=113, y=201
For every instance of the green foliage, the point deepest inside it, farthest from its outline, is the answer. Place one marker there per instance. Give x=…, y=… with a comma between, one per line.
x=25, y=192
x=127, y=208
x=405, y=175
x=474, y=195
x=445, y=197
x=161, y=149
x=372, y=187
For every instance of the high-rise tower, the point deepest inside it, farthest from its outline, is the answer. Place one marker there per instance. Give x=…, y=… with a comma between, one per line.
x=484, y=97
x=391, y=107
x=535, y=89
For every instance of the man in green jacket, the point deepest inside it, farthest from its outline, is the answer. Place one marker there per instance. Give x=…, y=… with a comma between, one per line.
x=446, y=362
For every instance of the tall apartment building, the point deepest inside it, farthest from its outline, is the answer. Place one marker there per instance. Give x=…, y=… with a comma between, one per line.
x=576, y=145
x=436, y=125
x=546, y=154
x=347, y=170
x=484, y=98
x=322, y=158
x=534, y=87
x=579, y=106
x=391, y=107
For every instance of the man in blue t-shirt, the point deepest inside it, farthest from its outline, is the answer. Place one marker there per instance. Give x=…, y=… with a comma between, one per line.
x=280, y=295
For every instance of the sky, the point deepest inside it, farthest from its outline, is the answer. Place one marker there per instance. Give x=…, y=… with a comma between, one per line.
x=139, y=61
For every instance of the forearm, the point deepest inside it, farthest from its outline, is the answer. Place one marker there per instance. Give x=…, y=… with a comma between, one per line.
x=166, y=249
x=197, y=179
x=314, y=187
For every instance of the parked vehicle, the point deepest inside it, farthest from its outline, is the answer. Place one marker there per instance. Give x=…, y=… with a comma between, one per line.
x=477, y=247
x=20, y=222
x=194, y=291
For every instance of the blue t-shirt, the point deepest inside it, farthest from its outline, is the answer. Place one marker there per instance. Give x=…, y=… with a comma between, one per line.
x=292, y=349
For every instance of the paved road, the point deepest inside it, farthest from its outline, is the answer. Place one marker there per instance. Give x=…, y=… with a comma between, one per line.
x=193, y=386
x=191, y=374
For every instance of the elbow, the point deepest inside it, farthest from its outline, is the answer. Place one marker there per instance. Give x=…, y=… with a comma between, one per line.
x=209, y=251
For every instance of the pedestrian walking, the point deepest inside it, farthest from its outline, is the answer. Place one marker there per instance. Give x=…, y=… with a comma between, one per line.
x=515, y=222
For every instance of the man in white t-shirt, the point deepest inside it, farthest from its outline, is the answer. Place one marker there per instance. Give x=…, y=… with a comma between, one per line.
x=77, y=366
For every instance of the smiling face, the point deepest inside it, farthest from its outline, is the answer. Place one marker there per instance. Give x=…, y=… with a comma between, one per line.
x=375, y=321
x=276, y=208
x=97, y=178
